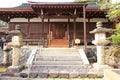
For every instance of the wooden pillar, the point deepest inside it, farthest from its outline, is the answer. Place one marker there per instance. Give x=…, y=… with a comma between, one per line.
x=74, y=29
x=28, y=28
x=8, y=21
x=49, y=37
x=68, y=29
x=48, y=26
x=84, y=19
x=42, y=27
x=9, y=28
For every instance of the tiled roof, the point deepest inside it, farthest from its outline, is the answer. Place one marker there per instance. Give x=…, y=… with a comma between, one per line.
x=23, y=6
x=92, y=6
x=26, y=6
x=31, y=10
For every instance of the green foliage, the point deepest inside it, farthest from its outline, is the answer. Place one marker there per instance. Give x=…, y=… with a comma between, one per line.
x=85, y=0
x=3, y=69
x=80, y=0
x=115, y=38
x=99, y=1
x=114, y=12
x=107, y=5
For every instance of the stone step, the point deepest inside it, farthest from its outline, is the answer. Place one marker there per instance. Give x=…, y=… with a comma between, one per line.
x=57, y=63
x=56, y=42
x=58, y=58
x=57, y=54
x=60, y=49
x=60, y=45
x=60, y=66
x=59, y=40
x=59, y=71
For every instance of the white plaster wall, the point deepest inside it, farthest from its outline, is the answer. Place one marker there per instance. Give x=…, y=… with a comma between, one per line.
x=19, y=20
x=57, y=20
x=98, y=19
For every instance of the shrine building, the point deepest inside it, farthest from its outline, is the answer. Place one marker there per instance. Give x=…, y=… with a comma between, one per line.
x=56, y=24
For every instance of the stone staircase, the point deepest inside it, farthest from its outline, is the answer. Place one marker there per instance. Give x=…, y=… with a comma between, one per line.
x=59, y=43
x=58, y=62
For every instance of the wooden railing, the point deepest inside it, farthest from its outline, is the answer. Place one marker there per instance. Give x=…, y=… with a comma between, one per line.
x=37, y=39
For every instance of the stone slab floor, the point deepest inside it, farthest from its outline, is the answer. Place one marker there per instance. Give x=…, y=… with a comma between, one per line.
x=7, y=78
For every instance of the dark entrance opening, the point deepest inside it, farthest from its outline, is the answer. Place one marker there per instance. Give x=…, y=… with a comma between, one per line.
x=59, y=30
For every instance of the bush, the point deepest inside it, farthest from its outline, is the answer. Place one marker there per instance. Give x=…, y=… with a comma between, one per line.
x=115, y=38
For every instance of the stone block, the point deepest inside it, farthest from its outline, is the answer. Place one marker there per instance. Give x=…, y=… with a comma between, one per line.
x=112, y=74
x=63, y=74
x=92, y=75
x=43, y=73
x=84, y=75
x=53, y=73
x=33, y=75
x=14, y=69
x=73, y=74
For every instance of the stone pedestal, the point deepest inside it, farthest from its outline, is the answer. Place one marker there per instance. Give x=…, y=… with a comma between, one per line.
x=14, y=69
x=111, y=74
x=100, y=68
x=15, y=56
x=5, y=57
x=100, y=55
x=100, y=65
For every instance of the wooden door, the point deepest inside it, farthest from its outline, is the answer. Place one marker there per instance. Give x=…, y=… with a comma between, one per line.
x=58, y=30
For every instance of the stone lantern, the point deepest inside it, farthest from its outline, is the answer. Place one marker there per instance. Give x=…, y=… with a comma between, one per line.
x=16, y=44
x=100, y=41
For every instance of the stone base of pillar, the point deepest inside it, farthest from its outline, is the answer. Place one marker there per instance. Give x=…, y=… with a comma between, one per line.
x=76, y=46
x=5, y=64
x=14, y=69
x=100, y=68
